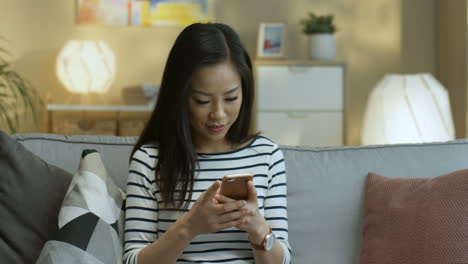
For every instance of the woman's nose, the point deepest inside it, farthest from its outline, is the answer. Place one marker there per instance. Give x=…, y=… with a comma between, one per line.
x=217, y=112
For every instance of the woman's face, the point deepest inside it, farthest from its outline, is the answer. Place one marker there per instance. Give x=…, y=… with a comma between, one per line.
x=214, y=104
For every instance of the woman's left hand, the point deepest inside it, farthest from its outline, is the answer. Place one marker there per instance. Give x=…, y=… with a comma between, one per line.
x=253, y=222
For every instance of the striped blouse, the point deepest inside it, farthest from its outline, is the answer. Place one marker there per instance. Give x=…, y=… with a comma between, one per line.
x=147, y=218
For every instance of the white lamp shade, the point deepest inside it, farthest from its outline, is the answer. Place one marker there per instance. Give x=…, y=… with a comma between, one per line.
x=86, y=66
x=407, y=109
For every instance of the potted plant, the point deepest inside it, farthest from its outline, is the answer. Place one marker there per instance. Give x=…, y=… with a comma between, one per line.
x=320, y=30
x=16, y=94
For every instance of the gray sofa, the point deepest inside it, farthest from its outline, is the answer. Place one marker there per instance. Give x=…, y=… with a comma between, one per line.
x=325, y=185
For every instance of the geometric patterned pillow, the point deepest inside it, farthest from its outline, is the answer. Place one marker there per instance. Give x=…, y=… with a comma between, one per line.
x=91, y=219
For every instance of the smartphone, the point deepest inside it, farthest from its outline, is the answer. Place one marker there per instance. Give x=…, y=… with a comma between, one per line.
x=235, y=186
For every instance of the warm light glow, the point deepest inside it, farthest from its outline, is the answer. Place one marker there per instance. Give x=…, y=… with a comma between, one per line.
x=86, y=66
x=408, y=109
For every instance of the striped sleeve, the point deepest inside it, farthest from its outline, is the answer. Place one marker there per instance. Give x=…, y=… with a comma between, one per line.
x=276, y=201
x=141, y=211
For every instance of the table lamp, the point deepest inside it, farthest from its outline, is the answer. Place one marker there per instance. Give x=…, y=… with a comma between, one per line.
x=407, y=108
x=86, y=66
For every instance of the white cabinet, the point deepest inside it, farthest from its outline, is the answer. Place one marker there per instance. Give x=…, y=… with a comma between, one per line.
x=301, y=104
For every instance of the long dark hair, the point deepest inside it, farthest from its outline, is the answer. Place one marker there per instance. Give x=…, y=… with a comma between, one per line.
x=197, y=46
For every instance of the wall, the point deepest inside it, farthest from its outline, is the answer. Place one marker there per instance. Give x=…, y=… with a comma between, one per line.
x=36, y=31
x=451, y=57
x=375, y=37
x=418, y=36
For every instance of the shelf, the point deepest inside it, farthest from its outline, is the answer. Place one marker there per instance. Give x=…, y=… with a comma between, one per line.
x=112, y=108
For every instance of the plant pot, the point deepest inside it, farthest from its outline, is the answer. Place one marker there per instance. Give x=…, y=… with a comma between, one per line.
x=322, y=46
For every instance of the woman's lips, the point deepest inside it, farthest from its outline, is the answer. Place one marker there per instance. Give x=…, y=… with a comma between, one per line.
x=216, y=128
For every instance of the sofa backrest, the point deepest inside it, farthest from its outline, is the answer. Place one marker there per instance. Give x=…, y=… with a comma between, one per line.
x=65, y=151
x=325, y=185
x=326, y=191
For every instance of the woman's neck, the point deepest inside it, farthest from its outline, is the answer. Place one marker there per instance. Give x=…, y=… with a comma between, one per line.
x=218, y=147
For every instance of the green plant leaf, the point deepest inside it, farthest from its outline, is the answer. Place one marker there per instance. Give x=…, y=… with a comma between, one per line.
x=4, y=115
x=313, y=24
x=23, y=89
x=3, y=68
x=18, y=90
x=2, y=50
x=9, y=78
x=27, y=94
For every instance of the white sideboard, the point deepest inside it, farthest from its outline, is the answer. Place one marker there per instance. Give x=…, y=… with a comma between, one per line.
x=301, y=103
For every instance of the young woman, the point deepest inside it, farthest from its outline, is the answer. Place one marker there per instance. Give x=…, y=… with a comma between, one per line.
x=199, y=132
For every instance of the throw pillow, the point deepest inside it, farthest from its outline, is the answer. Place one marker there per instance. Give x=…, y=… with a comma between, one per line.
x=416, y=220
x=91, y=220
x=31, y=192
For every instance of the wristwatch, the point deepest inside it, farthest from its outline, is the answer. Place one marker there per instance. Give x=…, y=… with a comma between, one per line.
x=267, y=243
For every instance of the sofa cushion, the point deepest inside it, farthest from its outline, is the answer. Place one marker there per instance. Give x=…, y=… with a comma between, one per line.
x=91, y=218
x=416, y=220
x=31, y=192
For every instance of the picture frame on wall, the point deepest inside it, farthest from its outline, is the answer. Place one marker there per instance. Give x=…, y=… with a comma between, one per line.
x=143, y=12
x=271, y=40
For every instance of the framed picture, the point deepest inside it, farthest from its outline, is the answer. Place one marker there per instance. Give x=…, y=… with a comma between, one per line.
x=144, y=12
x=104, y=12
x=271, y=40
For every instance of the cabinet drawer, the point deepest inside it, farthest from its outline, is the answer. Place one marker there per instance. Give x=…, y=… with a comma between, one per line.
x=302, y=128
x=300, y=88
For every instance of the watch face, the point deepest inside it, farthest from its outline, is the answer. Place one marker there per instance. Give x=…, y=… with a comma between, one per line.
x=270, y=242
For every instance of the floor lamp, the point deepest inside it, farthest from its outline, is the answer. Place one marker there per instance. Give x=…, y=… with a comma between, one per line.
x=407, y=108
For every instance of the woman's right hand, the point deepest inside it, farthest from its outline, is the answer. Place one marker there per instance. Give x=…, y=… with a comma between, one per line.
x=209, y=216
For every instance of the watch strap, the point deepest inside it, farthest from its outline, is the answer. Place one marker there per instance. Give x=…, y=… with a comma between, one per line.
x=263, y=245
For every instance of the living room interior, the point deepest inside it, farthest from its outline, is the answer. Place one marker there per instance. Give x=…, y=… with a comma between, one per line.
x=353, y=195
x=373, y=39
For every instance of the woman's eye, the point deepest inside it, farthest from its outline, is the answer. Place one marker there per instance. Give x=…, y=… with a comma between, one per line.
x=201, y=101
x=230, y=99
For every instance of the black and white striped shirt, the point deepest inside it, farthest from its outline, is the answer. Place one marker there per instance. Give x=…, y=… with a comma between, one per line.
x=147, y=218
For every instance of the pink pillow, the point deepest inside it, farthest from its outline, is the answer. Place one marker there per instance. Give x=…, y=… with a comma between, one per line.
x=419, y=220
